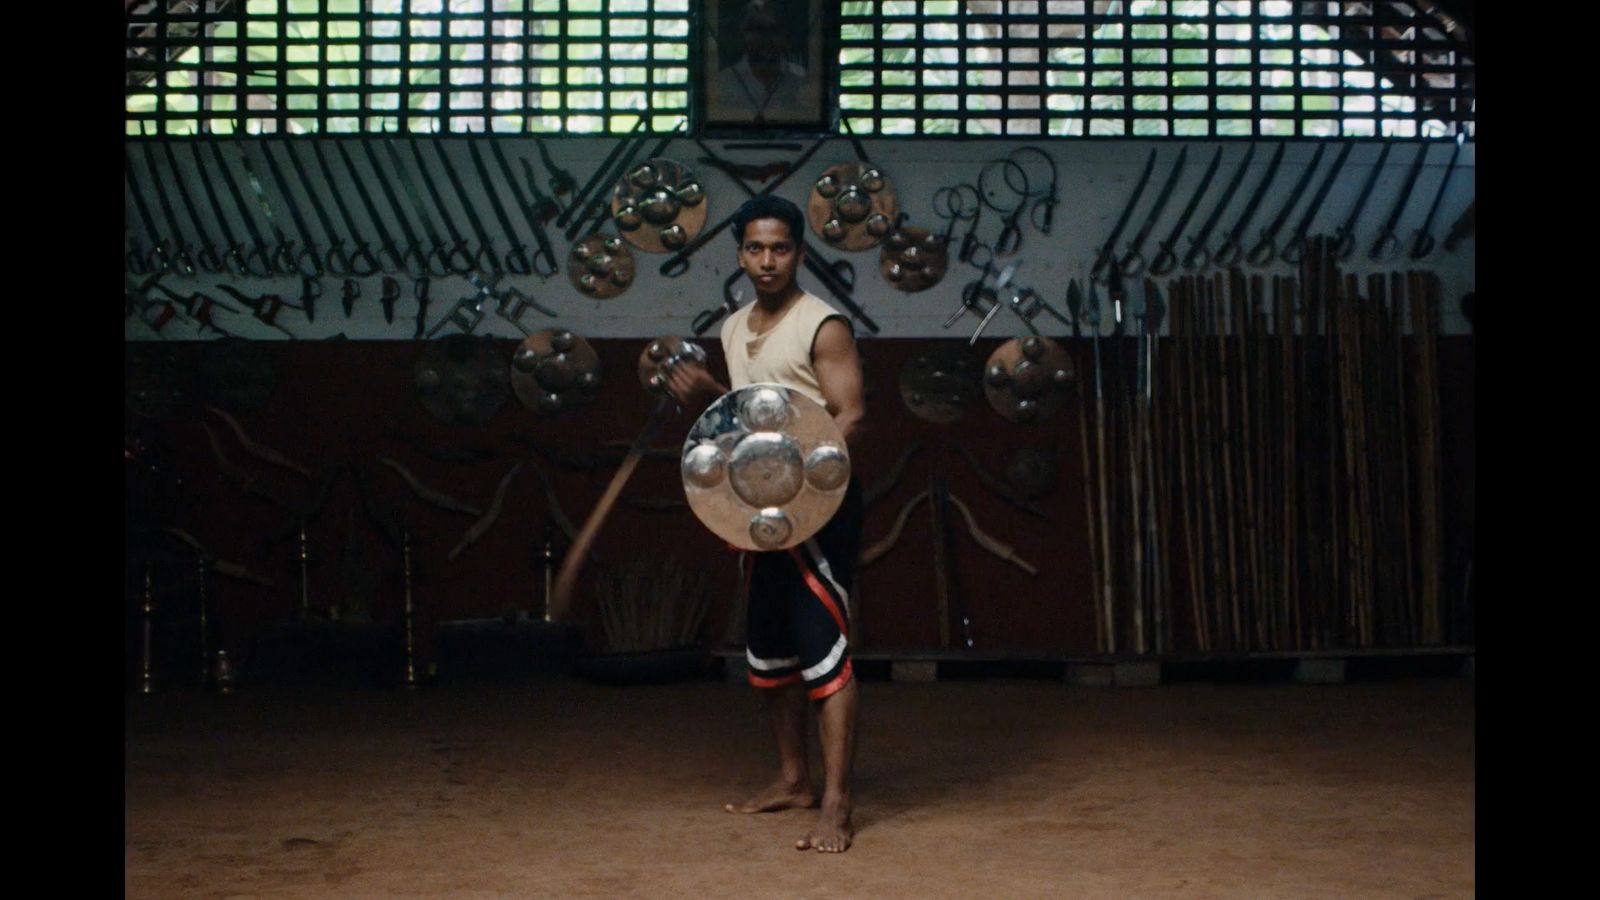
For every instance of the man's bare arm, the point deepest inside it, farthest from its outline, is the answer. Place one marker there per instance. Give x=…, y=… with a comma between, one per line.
x=833, y=355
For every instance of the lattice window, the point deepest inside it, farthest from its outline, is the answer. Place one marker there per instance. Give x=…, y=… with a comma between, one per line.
x=1153, y=68
x=361, y=66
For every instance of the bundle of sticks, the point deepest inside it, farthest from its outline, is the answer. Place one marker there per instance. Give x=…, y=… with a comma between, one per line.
x=650, y=604
x=1276, y=458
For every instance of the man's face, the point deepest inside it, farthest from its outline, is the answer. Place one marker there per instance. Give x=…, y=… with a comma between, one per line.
x=763, y=38
x=769, y=255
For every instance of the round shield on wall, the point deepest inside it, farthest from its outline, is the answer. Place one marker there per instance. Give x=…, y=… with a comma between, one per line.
x=461, y=379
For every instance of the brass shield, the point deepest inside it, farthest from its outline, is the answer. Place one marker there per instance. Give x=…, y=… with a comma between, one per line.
x=765, y=467
x=658, y=206
x=554, y=370
x=600, y=266
x=1026, y=379
x=940, y=382
x=852, y=206
x=913, y=259
x=461, y=379
x=663, y=353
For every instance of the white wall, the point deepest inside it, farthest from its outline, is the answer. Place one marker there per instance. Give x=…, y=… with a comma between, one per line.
x=1096, y=179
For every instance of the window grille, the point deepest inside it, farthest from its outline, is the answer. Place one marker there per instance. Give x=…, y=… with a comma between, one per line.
x=433, y=66
x=1153, y=68
x=1126, y=68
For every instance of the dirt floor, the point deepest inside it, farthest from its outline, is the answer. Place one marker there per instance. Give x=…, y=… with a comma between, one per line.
x=998, y=788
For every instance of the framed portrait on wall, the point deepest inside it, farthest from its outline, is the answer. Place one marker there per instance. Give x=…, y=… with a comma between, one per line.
x=765, y=65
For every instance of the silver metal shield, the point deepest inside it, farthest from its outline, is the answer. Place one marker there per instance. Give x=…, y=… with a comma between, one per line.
x=765, y=467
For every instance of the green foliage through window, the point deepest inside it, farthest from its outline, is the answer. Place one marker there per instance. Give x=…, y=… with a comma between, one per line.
x=1180, y=68
x=445, y=66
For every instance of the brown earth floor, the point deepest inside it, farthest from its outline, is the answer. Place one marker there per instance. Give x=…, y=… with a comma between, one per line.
x=964, y=789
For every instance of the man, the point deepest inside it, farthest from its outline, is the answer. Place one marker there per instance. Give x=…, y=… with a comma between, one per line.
x=764, y=85
x=797, y=644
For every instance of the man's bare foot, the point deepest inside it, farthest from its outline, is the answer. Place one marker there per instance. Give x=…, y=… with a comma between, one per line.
x=832, y=833
x=778, y=795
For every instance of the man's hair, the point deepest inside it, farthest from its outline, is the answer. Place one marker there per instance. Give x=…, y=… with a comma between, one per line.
x=769, y=207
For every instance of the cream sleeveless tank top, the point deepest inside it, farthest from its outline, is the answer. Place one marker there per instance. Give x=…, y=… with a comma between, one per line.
x=782, y=353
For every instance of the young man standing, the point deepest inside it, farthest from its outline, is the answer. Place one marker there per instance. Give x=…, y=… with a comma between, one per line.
x=797, y=642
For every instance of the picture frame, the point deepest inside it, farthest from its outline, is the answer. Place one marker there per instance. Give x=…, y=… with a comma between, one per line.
x=765, y=66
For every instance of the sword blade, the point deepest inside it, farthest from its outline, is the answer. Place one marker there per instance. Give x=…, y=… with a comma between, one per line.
x=406, y=185
x=1322, y=192
x=1366, y=191
x=1444, y=182
x=1108, y=249
x=1256, y=198
x=161, y=195
x=1161, y=202
x=1194, y=201
x=1271, y=230
x=189, y=205
x=233, y=252
x=317, y=208
x=1405, y=191
x=433, y=191
x=1197, y=243
x=333, y=190
x=383, y=187
x=494, y=196
x=461, y=193
x=235, y=193
x=138, y=201
x=289, y=202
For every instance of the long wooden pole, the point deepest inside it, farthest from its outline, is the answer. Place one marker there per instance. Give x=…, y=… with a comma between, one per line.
x=1185, y=403
x=1089, y=514
x=572, y=563
x=1108, y=574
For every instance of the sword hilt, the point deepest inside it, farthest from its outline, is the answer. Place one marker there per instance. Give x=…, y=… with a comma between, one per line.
x=336, y=260
x=1385, y=248
x=1165, y=260
x=1294, y=251
x=1197, y=256
x=362, y=262
x=1421, y=244
x=309, y=250
x=1263, y=251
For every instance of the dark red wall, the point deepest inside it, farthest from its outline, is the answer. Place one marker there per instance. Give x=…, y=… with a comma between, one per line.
x=334, y=401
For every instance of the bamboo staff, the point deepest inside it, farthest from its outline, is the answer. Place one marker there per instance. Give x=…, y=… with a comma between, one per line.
x=1249, y=561
x=1183, y=407
x=1407, y=566
x=1261, y=450
x=1351, y=496
x=1156, y=449
x=1117, y=430
x=1107, y=577
x=1386, y=531
x=1089, y=512
x=941, y=568
x=1425, y=316
x=1371, y=466
x=1134, y=405
x=1311, y=570
x=1332, y=490
x=1288, y=547
x=1227, y=449
x=1205, y=423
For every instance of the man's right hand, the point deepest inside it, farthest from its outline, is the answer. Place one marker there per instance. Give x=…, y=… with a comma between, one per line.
x=691, y=385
